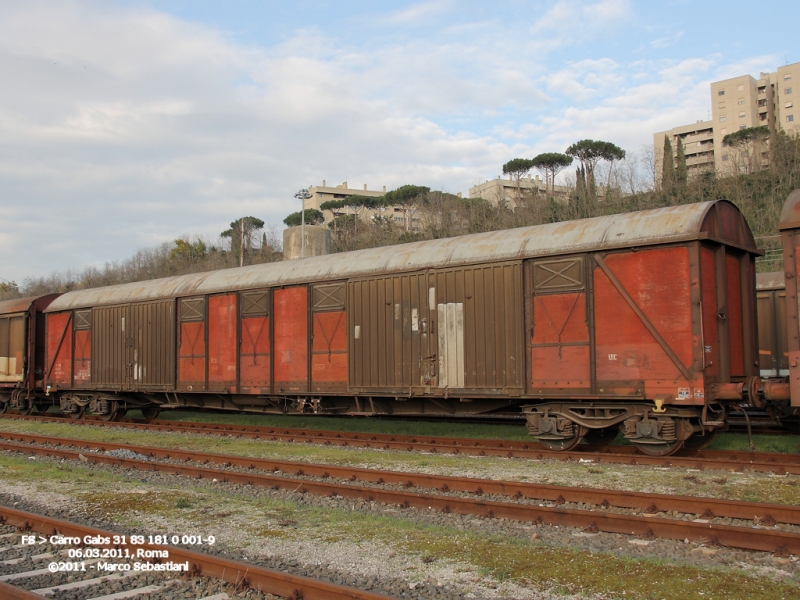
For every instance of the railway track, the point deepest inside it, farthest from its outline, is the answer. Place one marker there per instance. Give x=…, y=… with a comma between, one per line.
x=759, y=424
x=757, y=529
x=27, y=566
x=770, y=462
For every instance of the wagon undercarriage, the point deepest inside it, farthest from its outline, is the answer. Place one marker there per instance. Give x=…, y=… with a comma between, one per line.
x=656, y=430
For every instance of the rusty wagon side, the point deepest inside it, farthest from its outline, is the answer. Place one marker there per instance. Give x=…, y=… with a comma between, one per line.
x=22, y=362
x=643, y=319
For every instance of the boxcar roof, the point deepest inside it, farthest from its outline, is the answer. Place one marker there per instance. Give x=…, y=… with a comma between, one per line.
x=790, y=215
x=718, y=219
x=18, y=305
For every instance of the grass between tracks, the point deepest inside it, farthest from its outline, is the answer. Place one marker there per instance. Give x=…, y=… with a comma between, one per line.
x=273, y=524
x=752, y=487
x=724, y=441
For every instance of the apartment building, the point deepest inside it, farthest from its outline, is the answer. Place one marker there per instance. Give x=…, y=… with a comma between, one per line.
x=501, y=191
x=401, y=216
x=323, y=193
x=737, y=103
x=698, y=146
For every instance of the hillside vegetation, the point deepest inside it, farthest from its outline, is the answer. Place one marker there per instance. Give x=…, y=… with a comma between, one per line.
x=413, y=213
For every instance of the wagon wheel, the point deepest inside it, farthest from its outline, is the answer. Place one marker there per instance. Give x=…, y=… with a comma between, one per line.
x=78, y=414
x=121, y=412
x=30, y=406
x=113, y=412
x=698, y=442
x=149, y=413
x=3, y=406
x=601, y=437
x=662, y=449
x=564, y=444
x=42, y=407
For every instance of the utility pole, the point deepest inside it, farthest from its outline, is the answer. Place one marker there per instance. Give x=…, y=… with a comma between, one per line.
x=303, y=195
x=241, y=244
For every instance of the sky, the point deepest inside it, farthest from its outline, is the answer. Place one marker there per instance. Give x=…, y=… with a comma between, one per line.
x=128, y=123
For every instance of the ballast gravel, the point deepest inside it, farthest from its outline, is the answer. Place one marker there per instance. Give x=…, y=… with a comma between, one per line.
x=369, y=565
x=127, y=454
x=363, y=565
x=35, y=557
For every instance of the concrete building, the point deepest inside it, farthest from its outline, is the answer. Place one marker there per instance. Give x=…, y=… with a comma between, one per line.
x=323, y=193
x=504, y=191
x=698, y=145
x=737, y=103
x=401, y=216
x=317, y=241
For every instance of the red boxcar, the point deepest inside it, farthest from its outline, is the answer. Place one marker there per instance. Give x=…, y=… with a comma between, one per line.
x=643, y=322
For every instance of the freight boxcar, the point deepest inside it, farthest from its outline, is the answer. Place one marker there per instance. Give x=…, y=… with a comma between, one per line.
x=790, y=238
x=22, y=366
x=643, y=322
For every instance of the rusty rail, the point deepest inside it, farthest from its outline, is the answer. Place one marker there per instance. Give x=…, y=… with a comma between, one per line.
x=649, y=503
x=769, y=462
x=12, y=592
x=237, y=573
x=646, y=526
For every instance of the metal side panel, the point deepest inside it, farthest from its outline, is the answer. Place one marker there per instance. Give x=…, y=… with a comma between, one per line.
x=191, y=344
x=150, y=336
x=255, y=355
x=644, y=319
x=737, y=321
x=109, y=346
x=489, y=327
x=222, y=367
x=291, y=336
x=133, y=346
x=389, y=333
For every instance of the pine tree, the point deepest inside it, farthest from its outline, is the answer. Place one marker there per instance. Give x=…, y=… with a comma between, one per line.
x=580, y=181
x=681, y=172
x=668, y=166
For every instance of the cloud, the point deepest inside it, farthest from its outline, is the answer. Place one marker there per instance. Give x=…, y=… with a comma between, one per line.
x=572, y=22
x=124, y=128
x=665, y=42
x=418, y=13
x=127, y=127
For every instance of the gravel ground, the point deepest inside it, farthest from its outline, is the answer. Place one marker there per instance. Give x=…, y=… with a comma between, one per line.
x=170, y=587
x=364, y=565
x=487, y=497
x=373, y=565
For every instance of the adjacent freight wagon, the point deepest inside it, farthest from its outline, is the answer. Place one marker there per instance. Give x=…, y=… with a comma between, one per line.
x=22, y=338
x=642, y=321
x=773, y=356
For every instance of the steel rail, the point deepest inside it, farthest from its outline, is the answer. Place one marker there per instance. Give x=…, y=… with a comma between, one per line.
x=769, y=462
x=240, y=574
x=766, y=540
x=12, y=592
x=761, y=512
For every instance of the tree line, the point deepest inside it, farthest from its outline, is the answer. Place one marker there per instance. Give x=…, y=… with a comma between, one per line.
x=415, y=212
x=244, y=243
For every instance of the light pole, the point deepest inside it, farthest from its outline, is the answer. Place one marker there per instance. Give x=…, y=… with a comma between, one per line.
x=303, y=195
